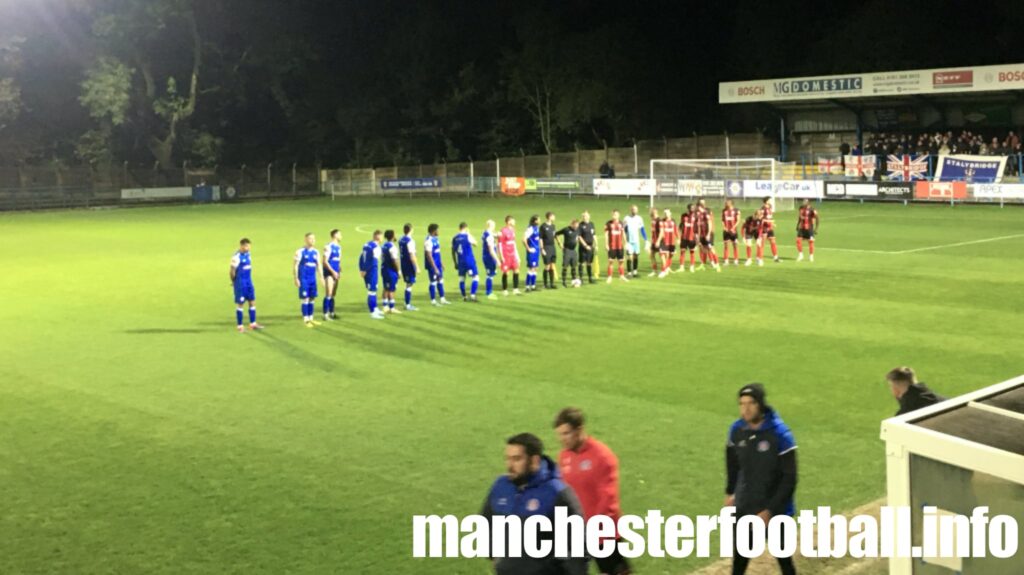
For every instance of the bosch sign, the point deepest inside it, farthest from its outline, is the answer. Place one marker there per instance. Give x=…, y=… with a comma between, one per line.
x=1012, y=76
x=750, y=91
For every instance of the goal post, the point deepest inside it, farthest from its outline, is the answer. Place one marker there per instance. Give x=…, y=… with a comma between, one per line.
x=746, y=181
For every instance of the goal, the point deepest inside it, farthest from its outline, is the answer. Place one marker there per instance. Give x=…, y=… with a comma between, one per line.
x=746, y=181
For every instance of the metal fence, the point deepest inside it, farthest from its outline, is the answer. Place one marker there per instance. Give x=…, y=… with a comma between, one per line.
x=43, y=187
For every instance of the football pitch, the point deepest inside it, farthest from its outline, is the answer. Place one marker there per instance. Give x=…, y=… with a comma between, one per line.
x=142, y=434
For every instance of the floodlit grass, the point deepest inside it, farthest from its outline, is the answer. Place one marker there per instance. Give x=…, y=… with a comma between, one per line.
x=141, y=434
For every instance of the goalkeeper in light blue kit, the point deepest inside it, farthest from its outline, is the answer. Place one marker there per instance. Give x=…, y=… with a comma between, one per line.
x=435, y=271
x=369, y=269
x=635, y=234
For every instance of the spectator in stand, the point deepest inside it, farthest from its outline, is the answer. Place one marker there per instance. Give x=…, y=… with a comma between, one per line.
x=605, y=170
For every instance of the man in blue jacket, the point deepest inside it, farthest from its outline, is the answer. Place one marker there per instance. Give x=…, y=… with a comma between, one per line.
x=760, y=457
x=532, y=486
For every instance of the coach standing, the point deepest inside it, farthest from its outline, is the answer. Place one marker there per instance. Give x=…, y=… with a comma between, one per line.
x=592, y=470
x=532, y=485
x=760, y=457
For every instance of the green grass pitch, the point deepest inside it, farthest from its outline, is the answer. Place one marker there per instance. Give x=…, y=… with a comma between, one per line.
x=141, y=434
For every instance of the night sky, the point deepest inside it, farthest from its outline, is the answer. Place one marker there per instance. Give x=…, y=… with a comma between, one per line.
x=350, y=82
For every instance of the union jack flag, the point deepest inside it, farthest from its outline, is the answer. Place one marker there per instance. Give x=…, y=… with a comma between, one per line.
x=906, y=168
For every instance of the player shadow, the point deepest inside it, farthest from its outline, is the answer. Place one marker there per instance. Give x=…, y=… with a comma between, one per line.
x=384, y=344
x=295, y=352
x=172, y=331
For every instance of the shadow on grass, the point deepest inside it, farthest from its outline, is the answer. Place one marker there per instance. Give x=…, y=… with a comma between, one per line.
x=172, y=330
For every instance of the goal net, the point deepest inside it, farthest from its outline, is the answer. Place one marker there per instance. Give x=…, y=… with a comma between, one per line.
x=746, y=181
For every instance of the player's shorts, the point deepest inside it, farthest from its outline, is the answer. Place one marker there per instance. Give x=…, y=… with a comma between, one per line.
x=510, y=263
x=633, y=248
x=533, y=260
x=708, y=240
x=769, y=234
x=468, y=269
x=409, y=278
x=308, y=289
x=750, y=237
x=655, y=248
x=371, y=281
x=615, y=254
x=491, y=267
x=244, y=293
x=667, y=249
x=687, y=245
x=390, y=279
x=328, y=270
x=729, y=236
x=805, y=234
x=570, y=258
x=550, y=255
x=435, y=276
x=586, y=256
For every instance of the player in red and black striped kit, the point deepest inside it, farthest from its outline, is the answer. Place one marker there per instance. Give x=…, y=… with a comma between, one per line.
x=667, y=236
x=767, y=232
x=706, y=236
x=655, y=228
x=615, y=244
x=688, y=237
x=806, y=229
x=730, y=229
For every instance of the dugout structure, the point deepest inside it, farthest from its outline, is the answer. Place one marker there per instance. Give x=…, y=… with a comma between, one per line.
x=963, y=453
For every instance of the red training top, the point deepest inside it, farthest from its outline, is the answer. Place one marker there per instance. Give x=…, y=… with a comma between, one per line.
x=593, y=473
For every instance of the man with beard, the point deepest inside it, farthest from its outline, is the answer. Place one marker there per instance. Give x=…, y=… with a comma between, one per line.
x=532, y=485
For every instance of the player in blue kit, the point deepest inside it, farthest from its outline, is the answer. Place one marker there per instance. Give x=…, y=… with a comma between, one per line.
x=435, y=271
x=462, y=248
x=531, y=239
x=308, y=274
x=332, y=273
x=490, y=251
x=389, y=270
x=410, y=267
x=241, y=281
x=369, y=261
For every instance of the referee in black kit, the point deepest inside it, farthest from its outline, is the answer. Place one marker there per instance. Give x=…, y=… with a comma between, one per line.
x=547, y=249
x=760, y=459
x=570, y=259
x=587, y=237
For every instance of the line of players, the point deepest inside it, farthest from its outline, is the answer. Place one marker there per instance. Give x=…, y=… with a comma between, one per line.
x=385, y=259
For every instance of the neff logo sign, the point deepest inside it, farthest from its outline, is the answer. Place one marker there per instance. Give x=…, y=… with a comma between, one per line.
x=829, y=85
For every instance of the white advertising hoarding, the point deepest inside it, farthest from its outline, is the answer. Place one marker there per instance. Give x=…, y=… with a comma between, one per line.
x=910, y=82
